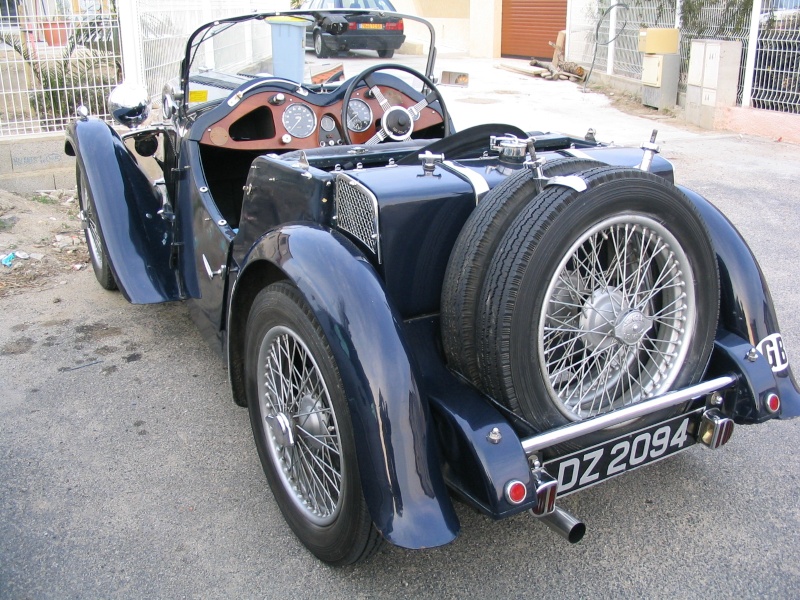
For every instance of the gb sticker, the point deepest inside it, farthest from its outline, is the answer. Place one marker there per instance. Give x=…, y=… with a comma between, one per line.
x=772, y=349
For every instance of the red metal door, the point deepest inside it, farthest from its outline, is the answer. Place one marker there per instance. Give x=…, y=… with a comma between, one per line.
x=528, y=26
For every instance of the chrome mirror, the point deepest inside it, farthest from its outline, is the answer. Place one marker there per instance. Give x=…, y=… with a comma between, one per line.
x=129, y=105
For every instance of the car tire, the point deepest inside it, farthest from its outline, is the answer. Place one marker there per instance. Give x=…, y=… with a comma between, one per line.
x=319, y=46
x=473, y=251
x=386, y=53
x=302, y=428
x=95, y=241
x=598, y=299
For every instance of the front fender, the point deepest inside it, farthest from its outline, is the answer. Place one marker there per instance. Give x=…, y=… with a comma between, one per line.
x=746, y=307
x=395, y=442
x=137, y=239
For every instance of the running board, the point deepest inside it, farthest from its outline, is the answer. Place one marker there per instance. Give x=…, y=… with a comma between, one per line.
x=534, y=444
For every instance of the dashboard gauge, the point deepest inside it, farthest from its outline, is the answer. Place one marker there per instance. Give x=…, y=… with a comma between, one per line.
x=299, y=120
x=359, y=115
x=327, y=123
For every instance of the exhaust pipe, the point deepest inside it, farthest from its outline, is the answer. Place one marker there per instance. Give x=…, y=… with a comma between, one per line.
x=565, y=525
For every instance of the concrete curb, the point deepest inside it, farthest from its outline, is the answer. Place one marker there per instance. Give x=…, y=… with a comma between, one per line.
x=35, y=163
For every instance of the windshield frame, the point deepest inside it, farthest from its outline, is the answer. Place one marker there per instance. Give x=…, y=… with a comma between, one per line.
x=197, y=38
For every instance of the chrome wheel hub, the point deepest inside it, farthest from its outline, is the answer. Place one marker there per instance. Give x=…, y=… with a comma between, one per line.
x=599, y=316
x=631, y=327
x=313, y=421
x=282, y=429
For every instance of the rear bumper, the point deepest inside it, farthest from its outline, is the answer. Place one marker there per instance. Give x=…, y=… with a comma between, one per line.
x=363, y=41
x=535, y=443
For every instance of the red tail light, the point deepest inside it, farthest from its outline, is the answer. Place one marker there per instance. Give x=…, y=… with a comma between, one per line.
x=516, y=491
x=773, y=403
x=395, y=26
x=352, y=25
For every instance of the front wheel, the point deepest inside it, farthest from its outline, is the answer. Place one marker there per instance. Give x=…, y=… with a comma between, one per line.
x=98, y=255
x=302, y=429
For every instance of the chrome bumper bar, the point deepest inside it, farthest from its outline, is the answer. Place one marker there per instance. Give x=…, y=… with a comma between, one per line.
x=535, y=443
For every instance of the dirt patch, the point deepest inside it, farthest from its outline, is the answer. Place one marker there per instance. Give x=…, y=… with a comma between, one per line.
x=41, y=239
x=19, y=346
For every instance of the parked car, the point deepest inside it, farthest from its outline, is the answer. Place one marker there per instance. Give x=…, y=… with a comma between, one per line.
x=354, y=30
x=780, y=14
x=412, y=312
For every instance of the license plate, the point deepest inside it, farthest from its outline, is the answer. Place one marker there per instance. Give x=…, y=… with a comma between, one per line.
x=589, y=467
x=370, y=25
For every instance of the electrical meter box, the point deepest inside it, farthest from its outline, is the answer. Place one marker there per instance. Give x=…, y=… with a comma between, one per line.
x=660, y=80
x=658, y=40
x=712, y=81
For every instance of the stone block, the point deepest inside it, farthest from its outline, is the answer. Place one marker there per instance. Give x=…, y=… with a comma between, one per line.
x=39, y=154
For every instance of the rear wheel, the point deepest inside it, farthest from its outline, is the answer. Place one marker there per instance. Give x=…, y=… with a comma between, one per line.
x=598, y=299
x=301, y=424
x=319, y=47
x=98, y=255
x=386, y=53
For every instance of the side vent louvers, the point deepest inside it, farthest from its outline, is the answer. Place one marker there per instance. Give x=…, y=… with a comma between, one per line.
x=356, y=212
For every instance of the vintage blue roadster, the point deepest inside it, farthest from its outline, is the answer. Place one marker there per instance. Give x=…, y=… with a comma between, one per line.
x=414, y=313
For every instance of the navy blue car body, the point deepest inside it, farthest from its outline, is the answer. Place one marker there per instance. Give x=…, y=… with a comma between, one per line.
x=277, y=185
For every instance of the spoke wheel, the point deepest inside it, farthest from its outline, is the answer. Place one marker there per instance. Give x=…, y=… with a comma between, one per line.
x=300, y=425
x=302, y=429
x=596, y=300
x=618, y=317
x=98, y=255
x=470, y=258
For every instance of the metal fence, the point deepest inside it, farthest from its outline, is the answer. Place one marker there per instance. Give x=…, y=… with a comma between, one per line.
x=57, y=54
x=776, y=80
x=164, y=27
x=54, y=56
x=605, y=33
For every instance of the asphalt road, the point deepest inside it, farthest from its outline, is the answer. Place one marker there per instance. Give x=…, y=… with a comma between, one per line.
x=126, y=471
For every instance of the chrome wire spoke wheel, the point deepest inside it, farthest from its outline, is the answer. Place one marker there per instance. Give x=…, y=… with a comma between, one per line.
x=90, y=224
x=300, y=426
x=618, y=317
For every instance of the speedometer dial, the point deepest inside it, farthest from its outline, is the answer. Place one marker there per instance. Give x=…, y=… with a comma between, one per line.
x=359, y=115
x=299, y=120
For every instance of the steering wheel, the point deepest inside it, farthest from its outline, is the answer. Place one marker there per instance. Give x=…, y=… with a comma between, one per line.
x=397, y=122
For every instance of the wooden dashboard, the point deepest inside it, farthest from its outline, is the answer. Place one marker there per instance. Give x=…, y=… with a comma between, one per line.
x=258, y=122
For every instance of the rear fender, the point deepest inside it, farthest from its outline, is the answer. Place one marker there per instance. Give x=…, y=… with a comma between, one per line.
x=137, y=239
x=746, y=310
x=395, y=442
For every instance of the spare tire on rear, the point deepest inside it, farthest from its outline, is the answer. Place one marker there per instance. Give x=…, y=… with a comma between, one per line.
x=598, y=299
x=474, y=249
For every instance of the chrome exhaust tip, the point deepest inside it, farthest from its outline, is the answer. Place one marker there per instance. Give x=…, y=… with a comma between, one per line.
x=563, y=523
